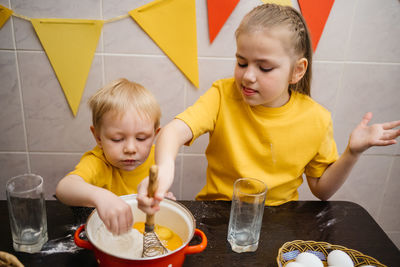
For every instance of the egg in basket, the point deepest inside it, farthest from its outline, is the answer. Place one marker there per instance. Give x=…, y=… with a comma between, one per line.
x=288, y=255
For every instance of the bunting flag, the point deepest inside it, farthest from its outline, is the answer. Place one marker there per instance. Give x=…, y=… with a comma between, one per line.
x=172, y=26
x=5, y=13
x=279, y=2
x=218, y=12
x=70, y=45
x=316, y=14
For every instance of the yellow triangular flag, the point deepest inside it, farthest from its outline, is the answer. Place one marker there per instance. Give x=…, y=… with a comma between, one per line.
x=70, y=45
x=279, y=2
x=172, y=26
x=5, y=13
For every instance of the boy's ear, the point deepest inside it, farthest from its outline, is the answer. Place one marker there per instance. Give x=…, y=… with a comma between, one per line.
x=157, y=131
x=299, y=69
x=95, y=135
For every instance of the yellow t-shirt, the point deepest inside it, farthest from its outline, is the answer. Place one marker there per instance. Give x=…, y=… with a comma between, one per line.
x=96, y=170
x=275, y=145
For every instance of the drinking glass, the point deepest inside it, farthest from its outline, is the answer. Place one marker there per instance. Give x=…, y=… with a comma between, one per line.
x=27, y=212
x=246, y=215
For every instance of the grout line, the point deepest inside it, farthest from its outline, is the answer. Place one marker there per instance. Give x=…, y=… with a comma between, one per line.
x=102, y=47
x=185, y=89
x=42, y=153
x=209, y=57
x=340, y=84
x=385, y=188
x=28, y=161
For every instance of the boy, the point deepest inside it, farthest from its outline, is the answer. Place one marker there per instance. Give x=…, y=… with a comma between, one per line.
x=126, y=119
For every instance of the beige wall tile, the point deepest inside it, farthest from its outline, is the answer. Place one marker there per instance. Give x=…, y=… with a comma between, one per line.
x=6, y=39
x=389, y=216
x=53, y=167
x=169, y=91
x=335, y=37
x=193, y=175
x=366, y=87
x=11, y=164
x=325, y=83
x=366, y=183
x=375, y=32
x=11, y=119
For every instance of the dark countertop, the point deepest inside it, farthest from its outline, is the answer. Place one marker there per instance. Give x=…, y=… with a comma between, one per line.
x=336, y=222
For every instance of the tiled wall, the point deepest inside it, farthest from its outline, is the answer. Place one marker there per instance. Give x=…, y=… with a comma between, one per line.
x=356, y=69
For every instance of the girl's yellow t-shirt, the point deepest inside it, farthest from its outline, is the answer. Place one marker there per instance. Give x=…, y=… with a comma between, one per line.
x=96, y=170
x=275, y=145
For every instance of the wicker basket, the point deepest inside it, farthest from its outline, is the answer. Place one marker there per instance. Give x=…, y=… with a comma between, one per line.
x=290, y=250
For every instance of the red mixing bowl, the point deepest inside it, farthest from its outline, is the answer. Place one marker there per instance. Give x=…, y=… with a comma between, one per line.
x=172, y=214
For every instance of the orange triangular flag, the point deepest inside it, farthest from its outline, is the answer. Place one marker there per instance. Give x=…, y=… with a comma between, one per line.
x=172, y=26
x=70, y=45
x=316, y=14
x=218, y=12
x=5, y=13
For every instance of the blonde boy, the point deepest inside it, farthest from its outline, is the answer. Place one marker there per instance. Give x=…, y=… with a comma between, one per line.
x=126, y=119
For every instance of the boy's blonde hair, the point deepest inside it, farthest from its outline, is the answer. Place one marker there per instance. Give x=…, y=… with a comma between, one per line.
x=120, y=96
x=273, y=15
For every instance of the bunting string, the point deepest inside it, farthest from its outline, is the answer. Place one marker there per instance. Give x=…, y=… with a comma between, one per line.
x=104, y=21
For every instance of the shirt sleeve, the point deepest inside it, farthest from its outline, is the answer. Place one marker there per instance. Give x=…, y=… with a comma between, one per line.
x=89, y=168
x=202, y=115
x=326, y=155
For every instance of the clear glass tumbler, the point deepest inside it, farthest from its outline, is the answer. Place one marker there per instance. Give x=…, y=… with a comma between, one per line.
x=246, y=215
x=27, y=212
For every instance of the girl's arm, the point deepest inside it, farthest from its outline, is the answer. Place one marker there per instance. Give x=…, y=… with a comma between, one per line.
x=171, y=137
x=362, y=138
x=113, y=211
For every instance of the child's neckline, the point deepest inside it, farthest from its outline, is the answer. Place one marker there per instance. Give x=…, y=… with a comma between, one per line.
x=276, y=110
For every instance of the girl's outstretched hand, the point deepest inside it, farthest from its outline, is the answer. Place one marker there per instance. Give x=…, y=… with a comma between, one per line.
x=380, y=134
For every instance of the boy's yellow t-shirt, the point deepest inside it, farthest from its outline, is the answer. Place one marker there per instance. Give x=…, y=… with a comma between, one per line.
x=275, y=145
x=96, y=170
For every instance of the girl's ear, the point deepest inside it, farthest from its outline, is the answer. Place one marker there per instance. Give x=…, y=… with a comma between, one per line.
x=299, y=69
x=157, y=131
x=96, y=136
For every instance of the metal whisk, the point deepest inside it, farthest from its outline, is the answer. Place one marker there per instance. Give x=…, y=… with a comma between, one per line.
x=152, y=245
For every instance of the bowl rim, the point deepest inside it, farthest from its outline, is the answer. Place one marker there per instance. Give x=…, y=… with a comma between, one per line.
x=167, y=200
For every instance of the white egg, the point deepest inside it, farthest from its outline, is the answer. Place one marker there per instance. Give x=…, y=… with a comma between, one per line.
x=294, y=264
x=309, y=260
x=339, y=258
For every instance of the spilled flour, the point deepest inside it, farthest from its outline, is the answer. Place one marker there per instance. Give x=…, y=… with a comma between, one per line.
x=128, y=245
x=64, y=244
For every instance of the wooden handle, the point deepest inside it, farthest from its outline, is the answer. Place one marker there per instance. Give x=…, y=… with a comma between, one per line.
x=151, y=189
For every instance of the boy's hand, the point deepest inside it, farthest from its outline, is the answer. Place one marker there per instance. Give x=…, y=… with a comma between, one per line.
x=364, y=136
x=115, y=213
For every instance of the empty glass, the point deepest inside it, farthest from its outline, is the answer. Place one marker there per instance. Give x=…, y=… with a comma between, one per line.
x=246, y=214
x=27, y=212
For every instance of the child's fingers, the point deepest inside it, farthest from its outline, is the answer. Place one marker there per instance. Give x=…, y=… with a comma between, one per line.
x=114, y=226
x=391, y=134
x=390, y=125
x=366, y=119
x=170, y=195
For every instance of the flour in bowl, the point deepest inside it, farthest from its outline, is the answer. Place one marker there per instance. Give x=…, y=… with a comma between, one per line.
x=128, y=245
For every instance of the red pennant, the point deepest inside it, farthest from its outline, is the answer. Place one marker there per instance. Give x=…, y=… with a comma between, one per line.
x=316, y=14
x=218, y=12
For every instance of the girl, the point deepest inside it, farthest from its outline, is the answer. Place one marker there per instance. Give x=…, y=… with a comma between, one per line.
x=263, y=123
